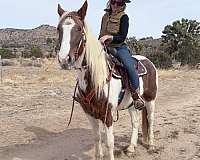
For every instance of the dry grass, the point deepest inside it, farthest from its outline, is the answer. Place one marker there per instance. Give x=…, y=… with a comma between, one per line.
x=35, y=105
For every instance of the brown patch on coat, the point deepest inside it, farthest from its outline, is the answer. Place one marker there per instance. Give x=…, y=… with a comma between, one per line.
x=98, y=105
x=149, y=81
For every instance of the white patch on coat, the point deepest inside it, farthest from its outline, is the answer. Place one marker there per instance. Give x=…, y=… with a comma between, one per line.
x=81, y=80
x=139, y=57
x=150, y=106
x=115, y=88
x=126, y=101
x=65, y=44
x=141, y=85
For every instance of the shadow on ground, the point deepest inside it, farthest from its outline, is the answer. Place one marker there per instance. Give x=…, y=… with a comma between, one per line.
x=70, y=144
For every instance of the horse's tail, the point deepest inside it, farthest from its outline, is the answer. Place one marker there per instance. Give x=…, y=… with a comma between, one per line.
x=145, y=125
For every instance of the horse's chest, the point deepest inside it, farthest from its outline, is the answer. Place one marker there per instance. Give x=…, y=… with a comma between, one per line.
x=96, y=107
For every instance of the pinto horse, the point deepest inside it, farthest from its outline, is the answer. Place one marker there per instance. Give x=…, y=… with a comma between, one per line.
x=98, y=91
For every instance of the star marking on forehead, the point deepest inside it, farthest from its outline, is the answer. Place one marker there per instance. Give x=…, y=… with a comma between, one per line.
x=69, y=21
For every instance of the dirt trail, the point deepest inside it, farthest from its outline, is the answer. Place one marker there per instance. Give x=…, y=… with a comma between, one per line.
x=35, y=106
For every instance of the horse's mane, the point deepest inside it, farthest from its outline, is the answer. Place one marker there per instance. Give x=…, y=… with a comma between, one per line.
x=95, y=57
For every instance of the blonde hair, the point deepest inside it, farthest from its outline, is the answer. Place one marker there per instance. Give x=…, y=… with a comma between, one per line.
x=96, y=60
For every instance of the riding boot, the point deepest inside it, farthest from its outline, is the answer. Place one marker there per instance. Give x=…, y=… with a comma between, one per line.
x=138, y=101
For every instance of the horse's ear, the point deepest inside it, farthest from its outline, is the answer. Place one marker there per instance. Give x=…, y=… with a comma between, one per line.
x=60, y=10
x=82, y=11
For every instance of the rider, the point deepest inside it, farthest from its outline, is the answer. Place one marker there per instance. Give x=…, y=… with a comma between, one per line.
x=114, y=29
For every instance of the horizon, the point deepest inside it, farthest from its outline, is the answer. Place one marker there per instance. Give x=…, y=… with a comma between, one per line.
x=146, y=19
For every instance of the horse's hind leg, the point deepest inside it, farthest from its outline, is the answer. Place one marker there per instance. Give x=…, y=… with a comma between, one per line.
x=135, y=126
x=150, y=106
x=97, y=137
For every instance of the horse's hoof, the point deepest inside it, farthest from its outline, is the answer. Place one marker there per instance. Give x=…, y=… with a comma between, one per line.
x=152, y=149
x=118, y=153
x=130, y=151
x=145, y=145
x=130, y=154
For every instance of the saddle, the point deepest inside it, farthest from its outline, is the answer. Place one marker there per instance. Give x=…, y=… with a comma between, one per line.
x=119, y=71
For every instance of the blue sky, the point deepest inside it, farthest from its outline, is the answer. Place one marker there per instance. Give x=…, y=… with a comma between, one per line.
x=147, y=17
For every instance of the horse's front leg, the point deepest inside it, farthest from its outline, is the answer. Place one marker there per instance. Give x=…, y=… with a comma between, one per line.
x=97, y=137
x=135, y=126
x=110, y=142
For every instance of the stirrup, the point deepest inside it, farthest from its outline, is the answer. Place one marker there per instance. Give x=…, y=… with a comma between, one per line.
x=139, y=104
x=137, y=100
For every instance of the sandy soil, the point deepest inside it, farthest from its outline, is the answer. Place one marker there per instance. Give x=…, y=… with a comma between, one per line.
x=35, y=106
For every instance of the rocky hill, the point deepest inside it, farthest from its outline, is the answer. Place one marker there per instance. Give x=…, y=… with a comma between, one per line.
x=42, y=36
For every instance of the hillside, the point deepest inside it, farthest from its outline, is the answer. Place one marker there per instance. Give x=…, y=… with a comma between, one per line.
x=21, y=39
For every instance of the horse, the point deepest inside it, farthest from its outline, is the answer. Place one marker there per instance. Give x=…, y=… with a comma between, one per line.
x=98, y=92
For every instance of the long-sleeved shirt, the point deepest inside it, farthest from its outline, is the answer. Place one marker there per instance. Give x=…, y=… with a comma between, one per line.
x=123, y=30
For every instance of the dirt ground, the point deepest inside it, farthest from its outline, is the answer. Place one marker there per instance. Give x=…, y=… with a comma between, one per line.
x=35, y=106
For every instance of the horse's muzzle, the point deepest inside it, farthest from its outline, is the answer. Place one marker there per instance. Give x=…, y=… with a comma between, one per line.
x=67, y=63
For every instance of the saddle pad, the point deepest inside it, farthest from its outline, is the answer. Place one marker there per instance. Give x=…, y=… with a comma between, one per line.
x=141, y=69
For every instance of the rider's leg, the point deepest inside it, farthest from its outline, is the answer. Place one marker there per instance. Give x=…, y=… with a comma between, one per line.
x=124, y=56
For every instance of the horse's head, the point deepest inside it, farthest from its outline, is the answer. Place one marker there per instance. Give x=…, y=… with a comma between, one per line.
x=71, y=37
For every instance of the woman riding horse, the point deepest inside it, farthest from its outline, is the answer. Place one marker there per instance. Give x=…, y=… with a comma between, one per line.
x=97, y=93
x=114, y=30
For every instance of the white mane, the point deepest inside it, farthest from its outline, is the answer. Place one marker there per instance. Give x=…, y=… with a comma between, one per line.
x=95, y=57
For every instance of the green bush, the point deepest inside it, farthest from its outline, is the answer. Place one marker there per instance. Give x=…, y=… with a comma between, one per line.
x=161, y=60
x=49, y=41
x=36, y=52
x=6, y=53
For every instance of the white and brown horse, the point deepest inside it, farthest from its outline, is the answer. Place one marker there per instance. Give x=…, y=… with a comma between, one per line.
x=98, y=92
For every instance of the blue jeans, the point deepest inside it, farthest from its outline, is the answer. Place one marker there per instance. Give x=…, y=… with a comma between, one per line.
x=124, y=56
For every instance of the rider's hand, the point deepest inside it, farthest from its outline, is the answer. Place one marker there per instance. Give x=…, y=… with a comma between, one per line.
x=106, y=38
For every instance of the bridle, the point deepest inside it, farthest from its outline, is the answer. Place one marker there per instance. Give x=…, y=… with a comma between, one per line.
x=81, y=46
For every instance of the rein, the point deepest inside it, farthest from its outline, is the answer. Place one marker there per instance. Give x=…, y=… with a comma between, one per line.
x=72, y=111
x=87, y=99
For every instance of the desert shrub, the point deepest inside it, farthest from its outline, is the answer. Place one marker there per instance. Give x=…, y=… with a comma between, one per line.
x=49, y=41
x=36, y=52
x=31, y=63
x=161, y=60
x=51, y=55
x=37, y=64
x=27, y=63
x=6, y=53
x=8, y=62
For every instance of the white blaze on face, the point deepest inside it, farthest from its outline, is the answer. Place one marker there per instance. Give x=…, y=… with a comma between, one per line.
x=65, y=44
